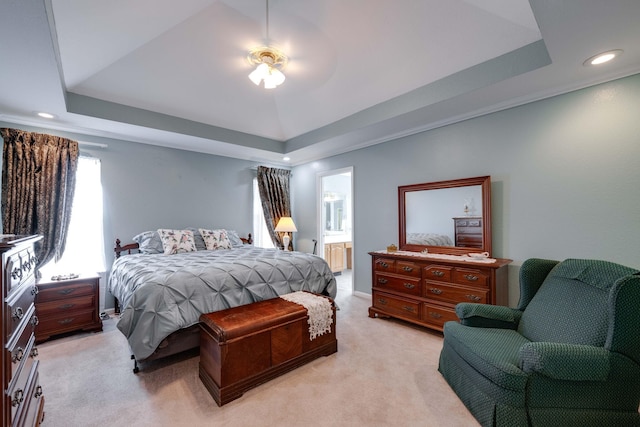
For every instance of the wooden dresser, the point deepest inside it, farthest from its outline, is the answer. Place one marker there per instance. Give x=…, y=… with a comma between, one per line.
x=68, y=305
x=425, y=290
x=22, y=399
x=468, y=231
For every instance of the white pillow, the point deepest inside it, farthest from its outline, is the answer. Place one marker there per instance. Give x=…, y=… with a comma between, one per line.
x=215, y=239
x=177, y=241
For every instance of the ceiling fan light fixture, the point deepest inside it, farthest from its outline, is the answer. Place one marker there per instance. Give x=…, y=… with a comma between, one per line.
x=268, y=61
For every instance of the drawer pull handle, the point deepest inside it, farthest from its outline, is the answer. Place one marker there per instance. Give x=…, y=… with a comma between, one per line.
x=408, y=308
x=35, y=321
x=382, y=301
x=18, y=397
x=435, y=315
x=435, y=291
x=66, y=321
x=38, y=392
x=34, y=291
x=18, y=313
x=438, y=273
x=17, y=355
x=473, y=297
x=383, y=281
x=407, y=268
x=34, y=352
x=66, y=291
x=471, y=277
x=409, y=285
x=383, y=264
x=66, y=306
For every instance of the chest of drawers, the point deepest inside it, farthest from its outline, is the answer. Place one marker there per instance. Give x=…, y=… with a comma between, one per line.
x=425, y=291
x=22, y=397
x=468, y=231
x=68, y=305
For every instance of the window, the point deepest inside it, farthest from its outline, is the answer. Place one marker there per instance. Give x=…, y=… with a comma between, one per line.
x=84, y=250
x=261, y=237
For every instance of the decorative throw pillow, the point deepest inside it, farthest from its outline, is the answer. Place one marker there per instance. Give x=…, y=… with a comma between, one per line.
x=177, y=241
x=234, y=239
x=197, y=237
x=215, y=239
x=149, y=242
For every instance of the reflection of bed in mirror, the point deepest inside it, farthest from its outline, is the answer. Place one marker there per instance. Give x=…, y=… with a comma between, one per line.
x=431, y=239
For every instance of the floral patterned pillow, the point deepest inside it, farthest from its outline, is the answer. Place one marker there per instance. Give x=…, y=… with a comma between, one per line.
x=177, y=241
x=215, y=239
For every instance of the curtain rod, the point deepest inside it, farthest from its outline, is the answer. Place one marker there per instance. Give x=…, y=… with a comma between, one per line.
x=93, y=144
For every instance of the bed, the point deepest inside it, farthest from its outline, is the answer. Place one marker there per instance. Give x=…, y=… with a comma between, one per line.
x=161, y=297
x=430, y=239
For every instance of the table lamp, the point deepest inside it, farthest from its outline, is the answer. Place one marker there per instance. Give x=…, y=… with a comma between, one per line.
x=285, y=225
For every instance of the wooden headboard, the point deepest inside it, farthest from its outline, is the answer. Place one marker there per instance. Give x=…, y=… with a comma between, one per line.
x=135, y=247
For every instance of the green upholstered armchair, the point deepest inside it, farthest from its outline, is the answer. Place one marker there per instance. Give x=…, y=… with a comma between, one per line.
x=569, y=355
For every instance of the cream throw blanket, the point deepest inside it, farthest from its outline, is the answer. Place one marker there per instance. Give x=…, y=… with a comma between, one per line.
x=319, y=310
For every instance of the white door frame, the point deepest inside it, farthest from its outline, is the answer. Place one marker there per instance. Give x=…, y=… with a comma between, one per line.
x=319, y=215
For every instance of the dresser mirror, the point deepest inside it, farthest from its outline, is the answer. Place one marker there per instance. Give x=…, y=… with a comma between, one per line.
x=449, y=217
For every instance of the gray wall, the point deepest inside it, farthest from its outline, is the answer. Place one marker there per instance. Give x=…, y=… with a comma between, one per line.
x=565, y=173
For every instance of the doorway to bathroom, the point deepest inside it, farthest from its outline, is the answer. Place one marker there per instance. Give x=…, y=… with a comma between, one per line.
x=335, y=224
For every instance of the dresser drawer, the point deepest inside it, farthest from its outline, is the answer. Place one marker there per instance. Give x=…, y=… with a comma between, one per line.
x=45, y=309
x=437, y=316
x=471, y=222
x=19, y=268
x=455, y=294
x=402, y=307
x=469, y=239
x=52, y=291
x=408, y=268
x=19, y=347
x=407, y=285
x=471, y=277
x=22, y=361
x=20, y=306
x=30, y=411
x=64, y=322
x=441, y=273
x=385, y=264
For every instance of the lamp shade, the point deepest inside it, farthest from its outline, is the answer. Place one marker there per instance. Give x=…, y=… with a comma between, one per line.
x=285, y=225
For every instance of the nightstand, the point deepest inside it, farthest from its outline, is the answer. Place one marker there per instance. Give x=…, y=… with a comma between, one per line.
x=67, y=305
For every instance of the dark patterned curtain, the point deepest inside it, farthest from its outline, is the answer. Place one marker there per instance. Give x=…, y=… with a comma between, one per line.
x=273, y=185
x=38, y=182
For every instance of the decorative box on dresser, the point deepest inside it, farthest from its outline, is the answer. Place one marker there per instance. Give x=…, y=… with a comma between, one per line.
x=22, y=399
x=68, y=305
x=425, y=290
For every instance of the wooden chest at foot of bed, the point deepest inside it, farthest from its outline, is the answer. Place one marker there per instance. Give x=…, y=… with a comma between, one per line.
x=245, y=346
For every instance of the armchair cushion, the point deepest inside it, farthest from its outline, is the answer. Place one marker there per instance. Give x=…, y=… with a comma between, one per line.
x=584, y=320
x=494, y=353
x=488, y=316
x=572, y=362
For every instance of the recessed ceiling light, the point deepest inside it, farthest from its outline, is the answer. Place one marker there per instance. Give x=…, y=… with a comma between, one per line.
x=603, y=57
x=46, y=115
x=286, y=158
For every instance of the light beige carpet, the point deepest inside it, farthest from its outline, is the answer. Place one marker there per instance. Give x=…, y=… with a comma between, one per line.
x=384, y=374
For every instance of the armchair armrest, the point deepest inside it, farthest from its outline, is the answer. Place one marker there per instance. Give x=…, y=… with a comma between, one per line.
x=488, y=316
x=562, y=361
